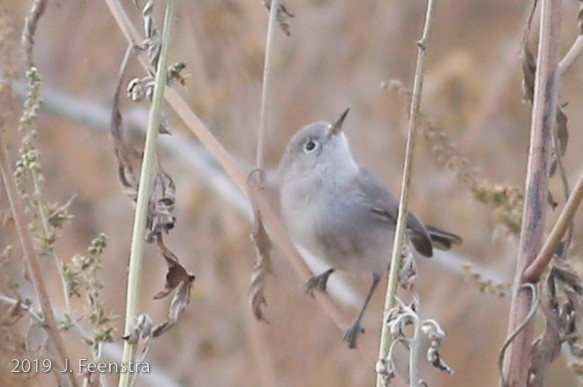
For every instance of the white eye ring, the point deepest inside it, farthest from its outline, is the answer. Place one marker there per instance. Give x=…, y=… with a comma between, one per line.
x=310, y=146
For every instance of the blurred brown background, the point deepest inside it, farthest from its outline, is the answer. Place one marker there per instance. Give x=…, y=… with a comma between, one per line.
x=337, y=56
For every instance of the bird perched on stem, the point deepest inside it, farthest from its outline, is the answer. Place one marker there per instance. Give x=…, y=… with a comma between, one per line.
x=343, y=213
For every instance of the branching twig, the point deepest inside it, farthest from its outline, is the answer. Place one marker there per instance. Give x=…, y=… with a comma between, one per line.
x=386, y=336
x=144, y=193
x=36, y=272
x=571, y=55
x=517, y=357
x=577, y=47
x=536, y=268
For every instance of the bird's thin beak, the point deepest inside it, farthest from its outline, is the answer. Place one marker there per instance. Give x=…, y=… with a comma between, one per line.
x=337, y=126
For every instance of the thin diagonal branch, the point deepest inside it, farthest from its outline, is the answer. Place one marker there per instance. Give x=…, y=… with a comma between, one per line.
x=536, y=268
x=571, y=55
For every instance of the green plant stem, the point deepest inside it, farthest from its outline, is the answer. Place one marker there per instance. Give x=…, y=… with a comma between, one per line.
x=386, y=337
x=144, y=192
x=58, y=262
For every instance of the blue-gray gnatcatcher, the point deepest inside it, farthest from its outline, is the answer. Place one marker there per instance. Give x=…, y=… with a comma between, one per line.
x=341, y=212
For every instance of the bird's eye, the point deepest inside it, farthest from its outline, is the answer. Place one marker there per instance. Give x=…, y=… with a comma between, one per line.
x=310, y=145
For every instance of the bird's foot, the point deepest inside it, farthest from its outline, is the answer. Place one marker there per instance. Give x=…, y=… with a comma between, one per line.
x=352, y=333
x=318, y=282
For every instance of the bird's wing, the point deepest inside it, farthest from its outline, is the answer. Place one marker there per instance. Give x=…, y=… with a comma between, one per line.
x=383, y=204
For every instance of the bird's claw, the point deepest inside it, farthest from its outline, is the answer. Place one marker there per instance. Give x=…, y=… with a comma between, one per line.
x=352, y=333
x=318, y=282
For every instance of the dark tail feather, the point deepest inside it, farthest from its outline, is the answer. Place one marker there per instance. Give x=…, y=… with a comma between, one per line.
x=442, y=240
x=422, y=243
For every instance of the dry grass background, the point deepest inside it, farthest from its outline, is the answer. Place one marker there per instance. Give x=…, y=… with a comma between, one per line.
x=337, y=56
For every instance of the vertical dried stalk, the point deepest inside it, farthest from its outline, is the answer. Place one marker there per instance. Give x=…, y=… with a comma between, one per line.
x=386, y=337
x=518, y=356
x=262, y=268
x=266, y=91
x=32, y=261
x=144, y=193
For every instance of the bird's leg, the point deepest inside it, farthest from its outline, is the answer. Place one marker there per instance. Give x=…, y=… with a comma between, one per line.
x=318, y=282
x=355, y=328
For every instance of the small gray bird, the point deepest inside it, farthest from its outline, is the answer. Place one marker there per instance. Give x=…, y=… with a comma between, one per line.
x=341, y=212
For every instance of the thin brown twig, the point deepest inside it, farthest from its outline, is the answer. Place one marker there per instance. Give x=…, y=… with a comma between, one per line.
x=518, y=356
x=537, y=267
x=30, y=256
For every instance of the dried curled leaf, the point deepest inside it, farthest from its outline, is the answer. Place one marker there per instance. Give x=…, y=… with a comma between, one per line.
x=385, y=368
x=161, y=207
x=261, y=269
x=546, y=347
x=263, y=246
x=562, y=139
x=402, y=316
x=563, y=312
x=14, y=313
x=152, y=42
x=177, y=278
x=142, y=88
x=408, y=271
x=528, y=74
x=123, y=152
x=283, y=16
x=179, y=303
x=436, y=336
x=141, y=328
